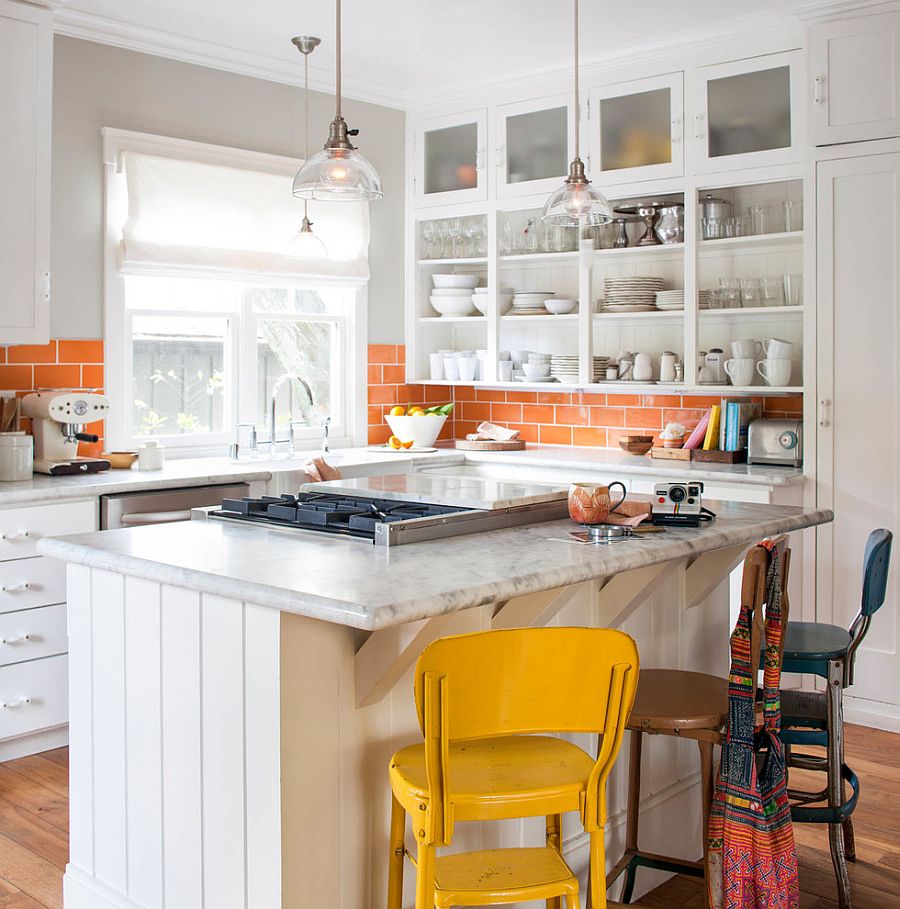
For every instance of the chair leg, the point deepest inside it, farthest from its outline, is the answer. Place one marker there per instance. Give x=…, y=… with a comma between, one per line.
x=849, y=840
x=554, y=839
x=425, y=877
x=632, y=818
x=397, y=855
x=835, y=787
x=572, y=901
x=597, y=872
x=707, y=785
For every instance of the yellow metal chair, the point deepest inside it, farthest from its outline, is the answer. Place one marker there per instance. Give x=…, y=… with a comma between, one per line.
x=485, y=704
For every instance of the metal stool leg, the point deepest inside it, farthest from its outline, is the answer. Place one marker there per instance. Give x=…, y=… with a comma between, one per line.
x=554, y=838
x=834, y=697
x=397, y=855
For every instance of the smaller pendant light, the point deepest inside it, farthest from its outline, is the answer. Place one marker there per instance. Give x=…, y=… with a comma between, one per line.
x=305, y=244
x=338, y=172
x=576, y=202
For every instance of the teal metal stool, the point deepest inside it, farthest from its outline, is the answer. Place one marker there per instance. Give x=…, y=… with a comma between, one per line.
x=816, y=718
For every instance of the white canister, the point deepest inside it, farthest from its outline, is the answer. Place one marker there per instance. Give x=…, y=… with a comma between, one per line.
x=16, y=456
x=151, y=456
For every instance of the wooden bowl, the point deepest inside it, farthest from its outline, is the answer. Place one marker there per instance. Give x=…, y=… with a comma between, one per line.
x=636, y=445
x=120, y=460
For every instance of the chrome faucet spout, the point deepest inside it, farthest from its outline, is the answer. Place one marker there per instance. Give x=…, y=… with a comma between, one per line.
x=279, y=383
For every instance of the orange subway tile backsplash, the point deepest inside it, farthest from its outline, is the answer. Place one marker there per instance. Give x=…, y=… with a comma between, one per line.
x=547, y=417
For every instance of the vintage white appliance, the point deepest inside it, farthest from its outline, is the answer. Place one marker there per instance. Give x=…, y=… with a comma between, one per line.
x=58, y=420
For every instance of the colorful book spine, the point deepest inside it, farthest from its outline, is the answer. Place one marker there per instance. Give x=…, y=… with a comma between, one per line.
x=711, y=442
x=695, y=439
x=734, y=421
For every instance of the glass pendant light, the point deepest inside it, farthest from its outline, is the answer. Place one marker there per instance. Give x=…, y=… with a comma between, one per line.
x=338, y=172
x=576, y=202
x=305, y=244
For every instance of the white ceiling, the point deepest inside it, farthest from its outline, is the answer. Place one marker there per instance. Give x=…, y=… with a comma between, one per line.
x=402, y=51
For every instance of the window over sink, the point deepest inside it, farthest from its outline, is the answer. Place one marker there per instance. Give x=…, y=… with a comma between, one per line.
x=206, y=306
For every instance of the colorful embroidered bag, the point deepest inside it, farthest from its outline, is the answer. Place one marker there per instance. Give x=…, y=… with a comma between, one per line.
x=752, y=858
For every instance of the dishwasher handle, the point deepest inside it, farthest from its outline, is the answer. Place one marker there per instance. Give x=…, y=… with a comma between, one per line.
x=142, y=519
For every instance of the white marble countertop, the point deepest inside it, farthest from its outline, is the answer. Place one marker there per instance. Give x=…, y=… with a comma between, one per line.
x=607, y=459
x=351, y=582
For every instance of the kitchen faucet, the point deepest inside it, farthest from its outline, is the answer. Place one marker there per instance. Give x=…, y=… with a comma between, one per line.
x=287, y=377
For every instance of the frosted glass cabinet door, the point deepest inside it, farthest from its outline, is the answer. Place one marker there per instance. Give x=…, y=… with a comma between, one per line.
x=748, y=113
x=637, y=130
x=533, y=147
x=450, y=159
x=854, y=70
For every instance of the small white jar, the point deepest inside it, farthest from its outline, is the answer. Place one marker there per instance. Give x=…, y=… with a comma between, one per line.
x=151, y=456
x=16, y=456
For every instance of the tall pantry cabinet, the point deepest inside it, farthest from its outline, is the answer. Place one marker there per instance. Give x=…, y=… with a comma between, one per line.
x=856, y=126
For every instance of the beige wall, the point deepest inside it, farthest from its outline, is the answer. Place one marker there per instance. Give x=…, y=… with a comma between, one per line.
x=96, y=86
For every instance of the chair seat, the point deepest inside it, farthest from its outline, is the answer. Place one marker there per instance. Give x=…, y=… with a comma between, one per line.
x=674, y=700
x=497, y=876
x=815, y=641
x=492, y=777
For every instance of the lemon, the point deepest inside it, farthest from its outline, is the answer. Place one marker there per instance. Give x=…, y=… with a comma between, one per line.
x=397, y=411
x=420, y=413
x=394, y=442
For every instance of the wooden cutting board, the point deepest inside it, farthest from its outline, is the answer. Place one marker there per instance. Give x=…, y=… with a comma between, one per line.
x=466, y=445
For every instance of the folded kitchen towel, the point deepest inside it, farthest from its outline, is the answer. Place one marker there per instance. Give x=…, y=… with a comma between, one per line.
x=495, y=433
x=629, y=514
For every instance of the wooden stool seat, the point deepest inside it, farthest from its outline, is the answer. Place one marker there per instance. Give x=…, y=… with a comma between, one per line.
x=672, y=700
x=497, y=876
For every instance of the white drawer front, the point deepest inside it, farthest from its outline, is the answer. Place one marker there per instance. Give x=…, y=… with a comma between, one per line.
x=32, y=634
x=33, y=696
x=26, y=583
x=21, y=528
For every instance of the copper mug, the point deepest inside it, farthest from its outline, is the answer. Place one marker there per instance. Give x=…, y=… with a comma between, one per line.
x=591, y=503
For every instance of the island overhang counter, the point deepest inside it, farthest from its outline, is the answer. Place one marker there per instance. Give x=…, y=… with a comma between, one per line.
x=236, y=692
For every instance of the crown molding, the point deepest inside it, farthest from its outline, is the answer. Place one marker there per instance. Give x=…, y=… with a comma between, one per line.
x=104, y=30
x=823, y=9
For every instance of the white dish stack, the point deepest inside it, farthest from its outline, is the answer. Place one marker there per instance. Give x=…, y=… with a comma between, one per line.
x=564, y=368
x=531, y=302
x=452, y=295
x=631, y=294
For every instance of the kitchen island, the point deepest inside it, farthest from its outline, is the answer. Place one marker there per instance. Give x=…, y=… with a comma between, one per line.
x=236, y=692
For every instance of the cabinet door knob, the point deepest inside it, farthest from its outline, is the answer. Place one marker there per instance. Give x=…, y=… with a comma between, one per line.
x=12, y=535
x=11, y=705
x=819, y=90
x=12, y=588
x=21, y=639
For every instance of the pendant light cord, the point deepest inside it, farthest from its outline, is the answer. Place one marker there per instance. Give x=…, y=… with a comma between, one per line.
x=577, y=88
x=305, y=124
x=337, y=78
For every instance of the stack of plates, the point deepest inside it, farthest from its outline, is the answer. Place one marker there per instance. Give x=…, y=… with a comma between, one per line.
x=564, y=368
x=670, y=300
x=531, y=302
x=704, y=299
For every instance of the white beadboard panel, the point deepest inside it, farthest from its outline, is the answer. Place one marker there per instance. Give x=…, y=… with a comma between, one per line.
x=222, y=718
x=144, y=741
x=81, y=746
x=262, y=725
x=181, y=749
x=108, y=699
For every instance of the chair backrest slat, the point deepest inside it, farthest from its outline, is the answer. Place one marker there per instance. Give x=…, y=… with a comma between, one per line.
x=876, y=562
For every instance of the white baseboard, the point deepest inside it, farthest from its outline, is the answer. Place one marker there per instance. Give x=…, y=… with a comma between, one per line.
x=80, y=891
x=34, y=743
x=876, y=714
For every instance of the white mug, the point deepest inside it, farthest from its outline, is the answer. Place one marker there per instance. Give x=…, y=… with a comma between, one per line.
x=451, y=369
x=746, y=349
x=776, y=371
x=776, y=349
x=741, y=370
x=504, y=370
x=468, y=366
x=437, y=366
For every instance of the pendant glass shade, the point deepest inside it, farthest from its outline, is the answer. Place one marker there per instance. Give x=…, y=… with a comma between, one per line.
x=305, y=244
x=338, y=174
x=577, y=203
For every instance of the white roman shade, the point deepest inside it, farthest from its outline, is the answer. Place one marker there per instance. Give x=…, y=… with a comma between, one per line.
x=196, y=217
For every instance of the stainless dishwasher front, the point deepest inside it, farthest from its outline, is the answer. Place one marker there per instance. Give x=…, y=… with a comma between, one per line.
x=137, y=509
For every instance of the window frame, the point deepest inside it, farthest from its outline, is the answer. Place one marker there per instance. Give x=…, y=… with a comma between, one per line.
x=351, y=429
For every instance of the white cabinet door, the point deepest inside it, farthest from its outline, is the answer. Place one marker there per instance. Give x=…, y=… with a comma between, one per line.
x=854, y=68
x=748, y=113
x=26, y=61
x=858, y=433
x=534, y=142
x=451, y=159
x=637, y=130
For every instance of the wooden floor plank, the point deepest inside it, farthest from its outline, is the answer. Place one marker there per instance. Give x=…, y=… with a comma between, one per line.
x=33, y=875
x=27, y=794
x=59, y=755
x=34, y=833
x=46, y=772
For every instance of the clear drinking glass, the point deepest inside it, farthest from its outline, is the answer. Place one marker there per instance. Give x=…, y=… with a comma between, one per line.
x=760, y=219
x=793, y=215
x=711, y=228
x=771, y=292
x=507, y=239
x=793, y=289
x=750, y=292
x=729, y=293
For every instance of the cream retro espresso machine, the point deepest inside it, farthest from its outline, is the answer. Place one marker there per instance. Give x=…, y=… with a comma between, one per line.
x=58, y=420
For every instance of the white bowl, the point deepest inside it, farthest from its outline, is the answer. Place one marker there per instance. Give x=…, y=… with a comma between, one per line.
x=469, y=281
x=560, y=307
x=536, y=370
x=451, y=292
x=504, y=300
x=423, y=431
x=453, y=306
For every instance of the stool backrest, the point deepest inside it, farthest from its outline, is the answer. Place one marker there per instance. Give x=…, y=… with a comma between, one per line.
x=876, y=562
x=523, y=681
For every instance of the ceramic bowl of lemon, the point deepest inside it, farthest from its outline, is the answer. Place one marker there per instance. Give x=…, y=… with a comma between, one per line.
x=416, y=426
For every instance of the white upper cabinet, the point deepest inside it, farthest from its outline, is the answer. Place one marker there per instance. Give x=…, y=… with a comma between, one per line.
x=451, y=164
x=533, y=145
x=854, y=70
x=637, y=130
x=748, y=113
x=26, y=63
